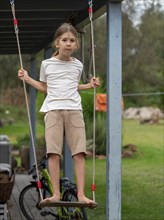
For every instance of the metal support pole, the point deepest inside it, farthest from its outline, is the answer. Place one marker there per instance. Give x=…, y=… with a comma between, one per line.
x=82, y=33
x=68, y=163
x=114, y=81
x=48, y=52
x=33, y=109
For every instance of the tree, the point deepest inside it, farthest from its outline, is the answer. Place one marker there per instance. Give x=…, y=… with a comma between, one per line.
x=143, y=55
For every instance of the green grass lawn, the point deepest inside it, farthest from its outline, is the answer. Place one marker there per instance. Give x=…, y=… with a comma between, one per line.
x=18, y=130
x=142, y=175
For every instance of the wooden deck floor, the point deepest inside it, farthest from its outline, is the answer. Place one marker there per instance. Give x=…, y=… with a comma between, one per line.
x=14, y=212
x=21, y=180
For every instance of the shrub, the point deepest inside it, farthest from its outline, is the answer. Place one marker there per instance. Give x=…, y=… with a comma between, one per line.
x=25, y=140
x=100, y=132
x=87, y=104
x=39, y=102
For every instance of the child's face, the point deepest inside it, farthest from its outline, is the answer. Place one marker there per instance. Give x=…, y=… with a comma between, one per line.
x=66, y=44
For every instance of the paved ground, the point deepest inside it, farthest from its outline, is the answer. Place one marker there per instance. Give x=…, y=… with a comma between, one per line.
x=21, y=180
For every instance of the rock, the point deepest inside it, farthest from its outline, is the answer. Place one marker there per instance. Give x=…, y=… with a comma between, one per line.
x=127, y=154
x=131, y=113
x=144, y=115
x=129, y=150
x=101, y=157
x=89, y=154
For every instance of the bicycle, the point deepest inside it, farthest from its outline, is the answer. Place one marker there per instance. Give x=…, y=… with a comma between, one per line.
x=29, y=198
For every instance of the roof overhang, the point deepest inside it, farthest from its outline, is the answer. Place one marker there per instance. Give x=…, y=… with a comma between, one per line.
x=38, y=20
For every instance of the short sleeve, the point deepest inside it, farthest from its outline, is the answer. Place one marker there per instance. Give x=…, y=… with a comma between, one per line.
x=42, y=73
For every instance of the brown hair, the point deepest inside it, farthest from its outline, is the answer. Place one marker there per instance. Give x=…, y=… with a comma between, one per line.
x=64, y=28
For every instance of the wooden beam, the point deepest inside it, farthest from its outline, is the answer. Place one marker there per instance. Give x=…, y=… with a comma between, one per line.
x=47, y=5
x=116, y=1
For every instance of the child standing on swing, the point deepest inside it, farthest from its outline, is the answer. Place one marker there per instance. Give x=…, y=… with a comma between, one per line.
x=59, y=79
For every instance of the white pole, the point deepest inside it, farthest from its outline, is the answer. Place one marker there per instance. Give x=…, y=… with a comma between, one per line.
x=114, y=81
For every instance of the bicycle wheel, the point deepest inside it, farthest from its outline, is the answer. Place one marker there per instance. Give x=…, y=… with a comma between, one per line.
x=29, y=200
x=74, y=213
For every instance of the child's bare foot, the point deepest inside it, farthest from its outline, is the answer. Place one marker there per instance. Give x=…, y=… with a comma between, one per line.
x=82, y=198
x=54, y=198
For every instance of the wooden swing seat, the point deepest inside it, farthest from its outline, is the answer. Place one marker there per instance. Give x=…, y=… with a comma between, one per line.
x=68, y=204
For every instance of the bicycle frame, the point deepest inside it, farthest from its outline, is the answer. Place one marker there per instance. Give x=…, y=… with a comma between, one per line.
x=48, y=179
x=66, y=188
x=67, y=215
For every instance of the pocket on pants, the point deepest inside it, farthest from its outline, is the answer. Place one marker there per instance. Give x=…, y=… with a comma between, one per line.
x=50, y=119
x=77, y=119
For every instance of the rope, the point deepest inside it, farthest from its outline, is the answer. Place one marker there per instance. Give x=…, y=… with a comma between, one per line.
x=90, y=11
x=25, y=92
